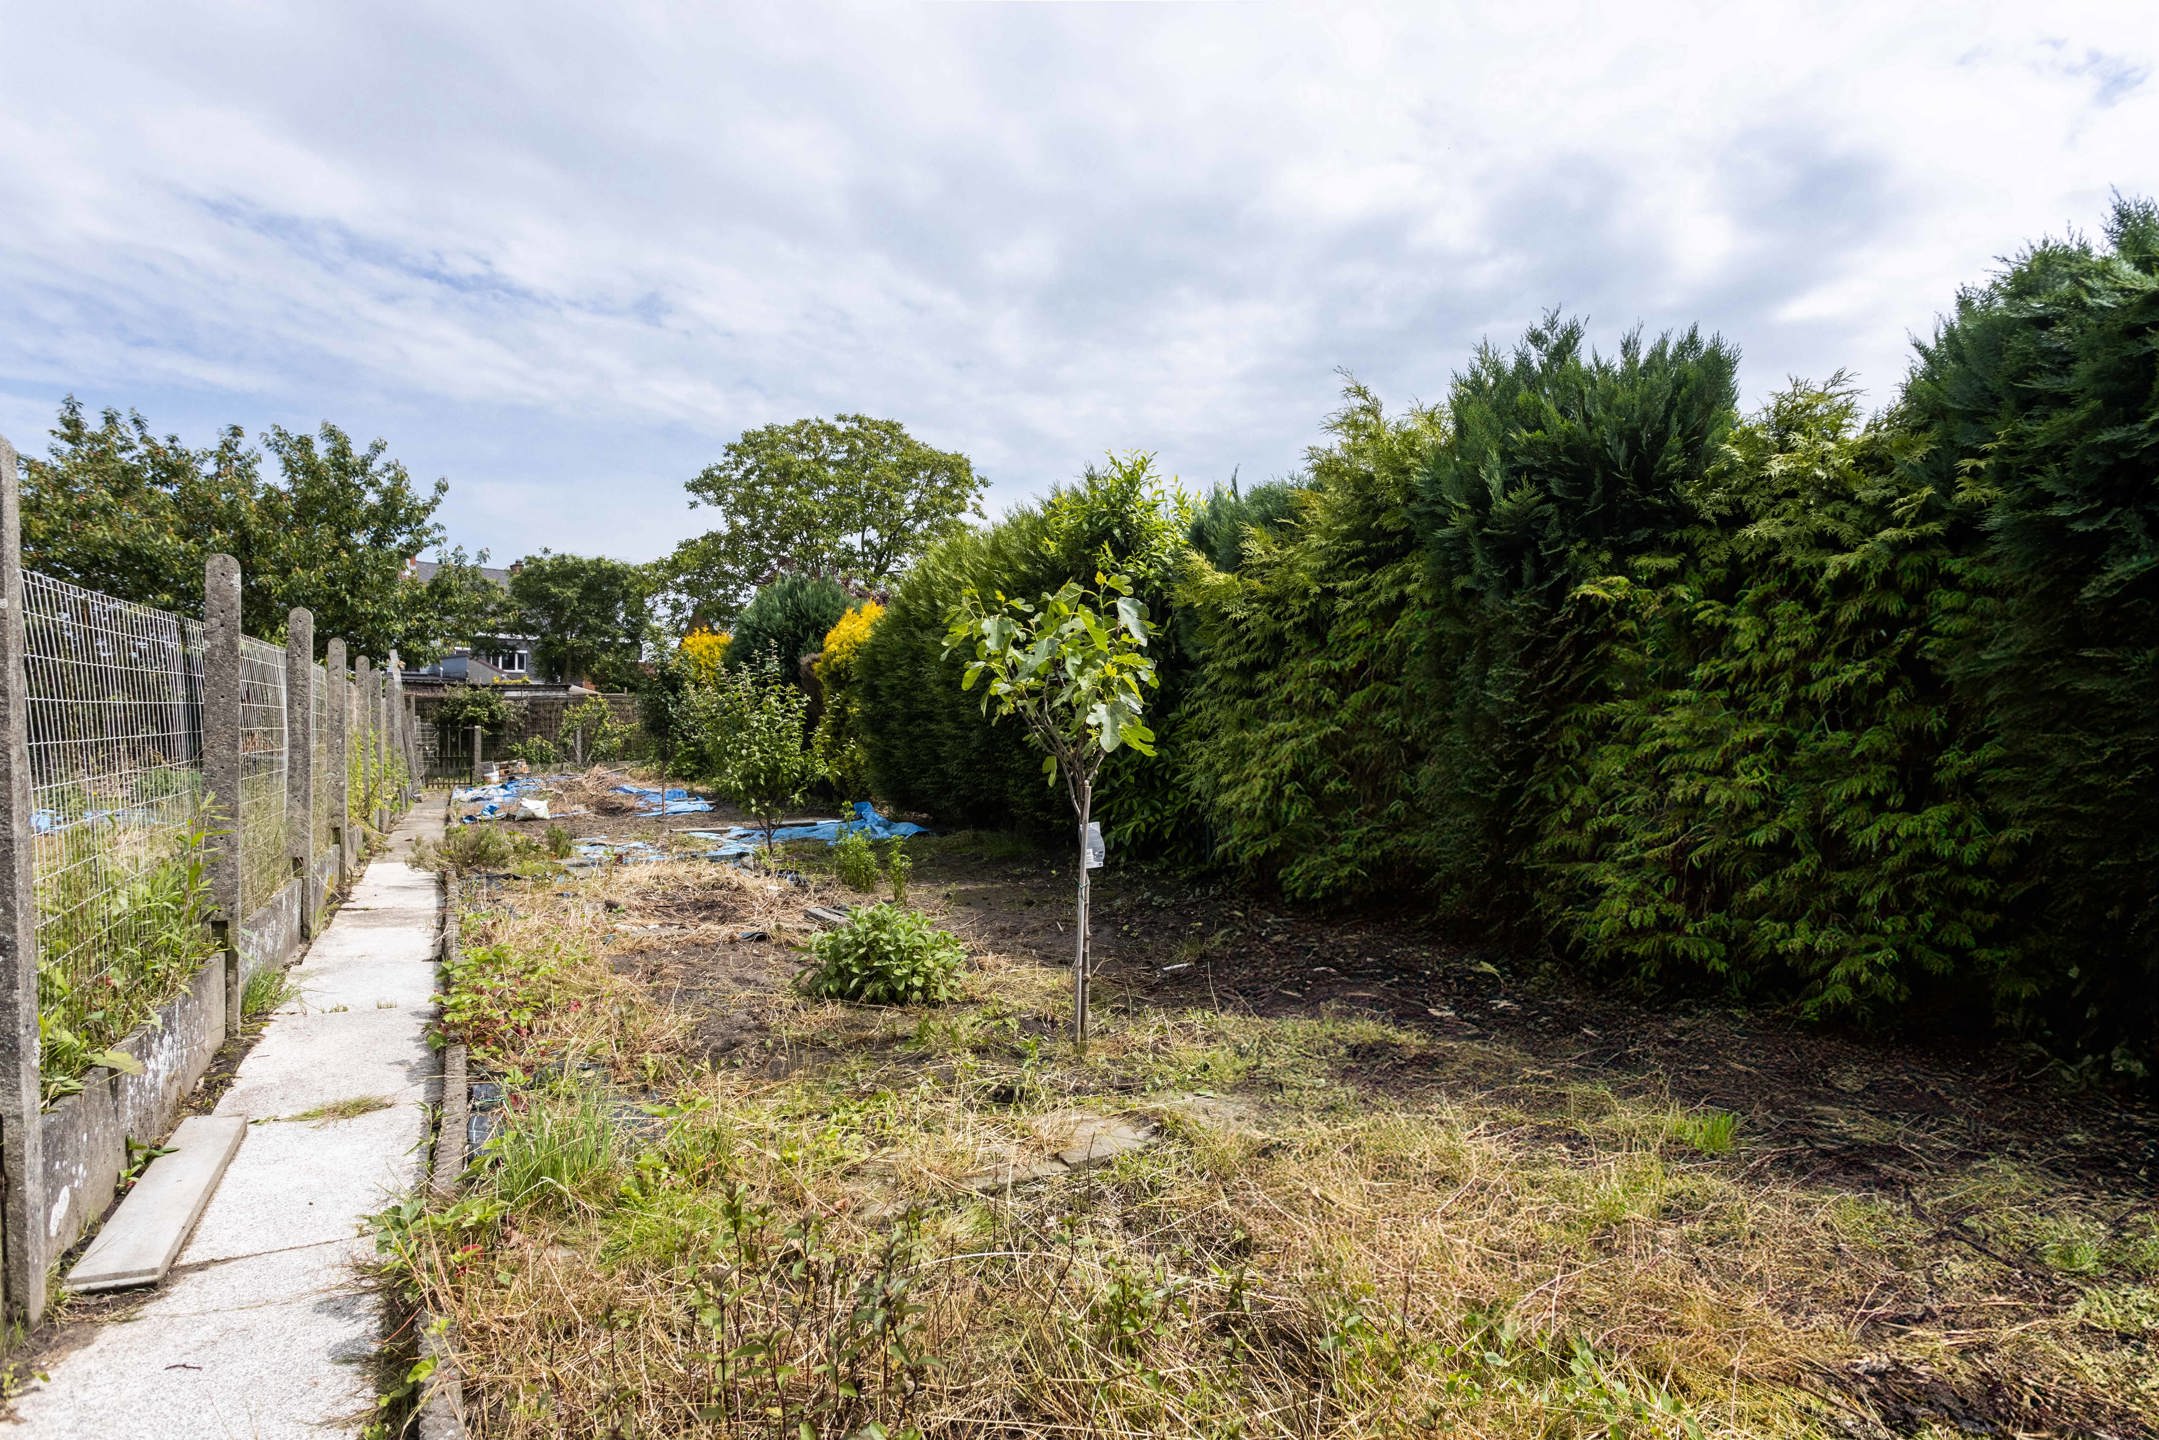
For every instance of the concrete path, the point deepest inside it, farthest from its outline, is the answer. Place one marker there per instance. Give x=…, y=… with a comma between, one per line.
x=264, y=1329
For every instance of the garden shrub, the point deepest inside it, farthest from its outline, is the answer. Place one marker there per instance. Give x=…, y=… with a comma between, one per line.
x=1300, y=732
x=1219, y=530
x=2037, y=407
x=703, y=652
x=841, y=721
x=1560, y=465
x=786, y=620
x=1778, y=795
x=885, y=955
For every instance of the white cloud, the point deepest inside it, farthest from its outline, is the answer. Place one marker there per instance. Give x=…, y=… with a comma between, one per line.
x=562, y=255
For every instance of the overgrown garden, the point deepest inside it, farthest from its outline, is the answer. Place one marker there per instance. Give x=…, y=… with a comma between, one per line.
x=1804, y=703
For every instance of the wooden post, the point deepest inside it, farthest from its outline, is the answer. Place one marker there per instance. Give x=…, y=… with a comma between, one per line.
x=24, y=1243
x=221, y=762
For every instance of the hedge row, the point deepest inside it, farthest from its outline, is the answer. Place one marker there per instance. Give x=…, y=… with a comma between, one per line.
x=1859, y=710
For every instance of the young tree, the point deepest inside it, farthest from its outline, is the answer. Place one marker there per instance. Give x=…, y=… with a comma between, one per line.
x=746, y=732
x=852, y=497
x=1073, y=667
x=587, y=615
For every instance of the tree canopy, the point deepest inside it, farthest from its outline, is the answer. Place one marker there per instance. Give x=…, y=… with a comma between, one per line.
x=118, y=508
x=587, y=615
x=852, y=498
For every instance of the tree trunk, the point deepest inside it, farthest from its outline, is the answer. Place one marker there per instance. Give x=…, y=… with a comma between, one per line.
x=1081, y=958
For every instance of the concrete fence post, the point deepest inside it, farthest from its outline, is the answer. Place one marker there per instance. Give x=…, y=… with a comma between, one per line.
x=300, y=759
x=475, y=754
x=339, y=711
x=379, y=721
x=397, y=732
x=363, y=731
x=22, y=1148
x=221, y=762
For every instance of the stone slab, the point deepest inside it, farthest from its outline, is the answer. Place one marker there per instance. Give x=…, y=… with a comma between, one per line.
x=217, y=1354
x=139, y=1243
x=302, y=1182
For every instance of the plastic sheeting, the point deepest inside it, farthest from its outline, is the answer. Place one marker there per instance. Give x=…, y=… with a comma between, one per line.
x=672, y=802
x=741, y=840
x=497, y=802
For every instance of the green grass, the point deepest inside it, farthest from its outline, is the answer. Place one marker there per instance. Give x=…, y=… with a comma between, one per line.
x=1711, y=1132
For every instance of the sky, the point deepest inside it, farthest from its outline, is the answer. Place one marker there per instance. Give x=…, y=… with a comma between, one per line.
x=561, y=254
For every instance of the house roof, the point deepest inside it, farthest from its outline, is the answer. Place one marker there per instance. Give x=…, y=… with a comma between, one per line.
x=425, y=570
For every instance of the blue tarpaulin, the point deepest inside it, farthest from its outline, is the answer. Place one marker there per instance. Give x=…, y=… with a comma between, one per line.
x=740, y=840
x=673, y=802
x=492, y=798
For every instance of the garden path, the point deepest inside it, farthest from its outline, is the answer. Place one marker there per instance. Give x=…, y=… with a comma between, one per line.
x=265, y=1328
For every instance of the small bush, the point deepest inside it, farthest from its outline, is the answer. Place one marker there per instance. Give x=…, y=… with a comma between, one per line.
x=901, y=868
x=854, y=860
x=884, y=955
x=537, y=751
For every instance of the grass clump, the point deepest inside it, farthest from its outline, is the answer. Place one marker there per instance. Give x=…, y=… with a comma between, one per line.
x=1711, y=1132
x=265, y=992
x=885, y=955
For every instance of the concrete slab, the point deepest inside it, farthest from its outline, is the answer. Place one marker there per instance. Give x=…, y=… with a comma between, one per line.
x=144, y=1235
x=273, y=1347
x=310, y=1060
x=303, y=1182
x=364, y=984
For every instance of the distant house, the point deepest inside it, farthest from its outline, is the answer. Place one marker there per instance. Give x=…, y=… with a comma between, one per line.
x=498, y=660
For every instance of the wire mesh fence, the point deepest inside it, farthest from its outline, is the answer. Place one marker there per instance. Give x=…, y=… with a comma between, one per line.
x=122, y=895
x=319, y=705
x=264, y=865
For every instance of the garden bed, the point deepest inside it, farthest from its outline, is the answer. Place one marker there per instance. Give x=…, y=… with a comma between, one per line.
x=1375, y=1184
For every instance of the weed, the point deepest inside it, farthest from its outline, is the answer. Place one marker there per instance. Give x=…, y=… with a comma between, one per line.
x=884, y=955
x=350, y=1109
x=854, y=860
x=900, y=868
x=265, y=993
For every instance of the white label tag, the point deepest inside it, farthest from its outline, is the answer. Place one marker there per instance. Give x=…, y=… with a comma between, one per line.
x=1096, y=846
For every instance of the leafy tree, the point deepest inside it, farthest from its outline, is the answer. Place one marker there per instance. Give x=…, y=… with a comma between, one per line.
x=930, y=748
x=1073, y=667
x=117, y=508
x=471, y=608
x=587, y=614
x=746, y=733
x=787, y=620
x=336, y=536
x=851, y=497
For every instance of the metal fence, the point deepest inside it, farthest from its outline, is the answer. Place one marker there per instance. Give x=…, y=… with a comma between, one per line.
x=114, y=714
x=264, y=862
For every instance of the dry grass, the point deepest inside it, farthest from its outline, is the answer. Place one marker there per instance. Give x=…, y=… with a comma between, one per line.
x=798, y=1241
